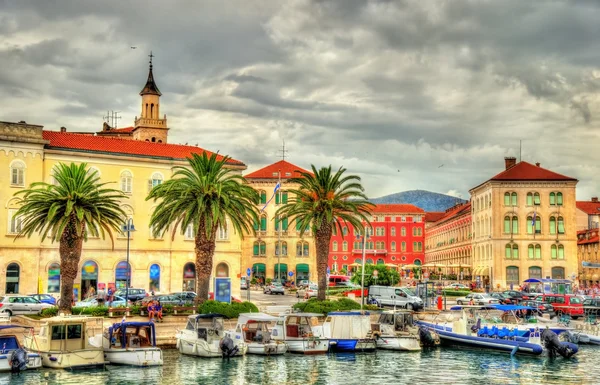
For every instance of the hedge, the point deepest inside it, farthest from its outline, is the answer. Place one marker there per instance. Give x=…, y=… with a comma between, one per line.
x=232, y=310
x=456, y=293
x=313, y=305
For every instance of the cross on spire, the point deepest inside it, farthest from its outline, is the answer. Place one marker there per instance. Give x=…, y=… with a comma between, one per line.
x=151, y=56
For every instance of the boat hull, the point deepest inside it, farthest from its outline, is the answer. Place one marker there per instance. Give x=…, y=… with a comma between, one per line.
x=352, y=345
x=308, y=346
x=34, y=361
x=268, y=349
x=77, y=359
x=135, y=357
x=489, y=343
x=397, y=343
x=201, y=348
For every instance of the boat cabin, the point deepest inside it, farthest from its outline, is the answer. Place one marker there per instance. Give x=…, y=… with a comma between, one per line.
x=207, y=326
x=68, y=333
x=400, y=320
x=131, y=335
x=254, y=327
x=300, y=325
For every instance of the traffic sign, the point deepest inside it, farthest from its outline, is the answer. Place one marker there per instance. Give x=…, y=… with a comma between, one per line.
x=291, y=273
x=426, y=274
x=248, y=272
x=328, y=270
x=375, y=272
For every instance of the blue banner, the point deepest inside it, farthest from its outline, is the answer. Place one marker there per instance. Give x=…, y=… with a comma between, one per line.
x=222, y=287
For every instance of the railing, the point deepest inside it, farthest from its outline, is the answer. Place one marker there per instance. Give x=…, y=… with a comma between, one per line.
x=151, y=122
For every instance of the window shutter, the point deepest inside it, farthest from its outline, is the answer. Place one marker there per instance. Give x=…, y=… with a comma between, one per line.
x=284, y=197
x=255, y=249
x=277, y=198
x=285, y=224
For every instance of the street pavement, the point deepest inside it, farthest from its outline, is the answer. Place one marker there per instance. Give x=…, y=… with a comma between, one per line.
x=263, y=300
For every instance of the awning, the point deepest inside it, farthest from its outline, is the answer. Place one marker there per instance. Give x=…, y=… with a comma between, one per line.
x=258, y=268
x=283, y=267
x=302, y=268
x=476, y=270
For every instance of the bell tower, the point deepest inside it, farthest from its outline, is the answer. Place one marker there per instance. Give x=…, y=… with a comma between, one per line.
x=150, y=126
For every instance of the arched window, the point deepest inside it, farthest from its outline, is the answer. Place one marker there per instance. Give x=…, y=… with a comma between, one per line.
x=344, y=231
x=512, y=275
x=222, y=270
x=126, y=182
x=513, y=199
x=122, y=273
x=155, y=180
x=535, y=272
x=552, y=199
x=393, y=246
x=534, y=252
x=558, y=273
x=529, y=199
x=358, y=260
x=152, y=111
x=557, y=252
x=263, y=222
x=13, y=274
x=506, y=199
x=54, y=278
x=263, y=197
x=552, y=225
x=393, y=231
x=561, y=252
x=283, y=248
x=536, y=199
x=335, y=246
x=93, y=171
x=561, y=225
x=189, y=277
x=369, y=261
x=403, y=231
x=559, y=199
x=17, y=173
x=89, y=276
x=357, y=245
x=507, y=226
x=403, y=246
x=154, y=277
x=344, y=246
x=305, y=249
x=380, y=261
x=534, y=222
x=223, y=231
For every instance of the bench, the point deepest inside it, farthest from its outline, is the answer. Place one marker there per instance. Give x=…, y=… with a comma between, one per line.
x=144, y=311
x=118, y=311
x=184, y=309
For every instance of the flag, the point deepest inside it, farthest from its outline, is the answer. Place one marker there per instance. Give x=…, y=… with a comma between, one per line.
x=533, y=220
x=277, y=187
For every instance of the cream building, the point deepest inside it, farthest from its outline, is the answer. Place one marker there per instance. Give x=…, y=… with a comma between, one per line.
x=134, y=164
x=277, y=240
x=524, y=226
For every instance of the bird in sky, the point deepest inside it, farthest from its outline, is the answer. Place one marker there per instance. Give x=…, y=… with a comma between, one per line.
x=440, y=166
x=133, y=47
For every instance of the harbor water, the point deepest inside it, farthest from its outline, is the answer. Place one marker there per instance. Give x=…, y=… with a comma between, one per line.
x=439, y=366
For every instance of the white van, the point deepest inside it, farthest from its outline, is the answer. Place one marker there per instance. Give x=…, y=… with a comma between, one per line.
x=403, y=297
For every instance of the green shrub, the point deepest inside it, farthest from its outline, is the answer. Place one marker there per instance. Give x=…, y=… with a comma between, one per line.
x=232, y=310
x=97, y=311
x=455, y=293
x=50, y=312
x=313, y=305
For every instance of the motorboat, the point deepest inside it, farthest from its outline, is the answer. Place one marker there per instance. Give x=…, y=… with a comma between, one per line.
x=205, y=336
x=586, y=334
x=301, y=331
x=395, y=330
x=349, y=332
x=131, y=343
x=13, y=357
x=67, y=342
x=253, y=329
x=477, y=335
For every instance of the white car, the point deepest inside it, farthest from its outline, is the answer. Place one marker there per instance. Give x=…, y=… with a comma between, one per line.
x=478, y=299
x=93, y=301
x=309, y=292
x=14, y=304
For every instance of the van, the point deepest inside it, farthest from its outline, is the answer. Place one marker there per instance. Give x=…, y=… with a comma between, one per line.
x=334, y=280
x=564, y=304
x=403, y=297
x=243, y=283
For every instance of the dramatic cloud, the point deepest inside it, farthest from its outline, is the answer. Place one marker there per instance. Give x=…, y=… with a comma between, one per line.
x=408, y=93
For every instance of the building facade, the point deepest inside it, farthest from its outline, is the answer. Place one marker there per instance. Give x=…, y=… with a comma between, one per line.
x=29, y=154
x=396, y=237
x=588, y=258
x=524, y=226
x=588, y=214
x=277, y=248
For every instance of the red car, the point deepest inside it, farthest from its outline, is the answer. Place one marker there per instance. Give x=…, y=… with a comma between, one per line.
x=564, y=304
x=211, y=295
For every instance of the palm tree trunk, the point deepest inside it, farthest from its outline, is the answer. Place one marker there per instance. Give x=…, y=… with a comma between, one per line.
x=205, y=251
x=70, y=246
x=322, y=239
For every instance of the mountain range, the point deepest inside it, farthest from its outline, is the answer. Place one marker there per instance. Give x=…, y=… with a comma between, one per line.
x=427, y=200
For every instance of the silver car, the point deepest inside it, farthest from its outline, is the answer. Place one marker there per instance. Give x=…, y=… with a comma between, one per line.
x=14, y=304
x=477, y=299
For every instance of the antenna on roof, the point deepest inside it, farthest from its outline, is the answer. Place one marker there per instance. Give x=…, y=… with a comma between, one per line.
x=520, y=149
x=112, y=118
x=283, y=151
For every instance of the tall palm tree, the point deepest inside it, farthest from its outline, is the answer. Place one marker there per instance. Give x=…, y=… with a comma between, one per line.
x=66, y=212
x=323, y=201
x=204, y=195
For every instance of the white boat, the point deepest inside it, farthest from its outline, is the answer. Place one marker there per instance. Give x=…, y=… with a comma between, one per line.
x=300, y=331
x=12, y=355
x=253, y=329
x=131, y=343
x=587, y=334
x=204, y=336
x=66, y=342
x=349, y=332
x=394, y=330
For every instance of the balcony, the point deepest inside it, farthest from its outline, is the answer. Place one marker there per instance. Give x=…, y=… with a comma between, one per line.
x=145, y=122
x=370, y=251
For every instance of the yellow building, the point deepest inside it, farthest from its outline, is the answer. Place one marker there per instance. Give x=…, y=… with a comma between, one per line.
x=262, y=252
x=135, y=161
x=524, y=225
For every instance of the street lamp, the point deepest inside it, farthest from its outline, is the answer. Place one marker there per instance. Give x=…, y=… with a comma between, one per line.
x=129, y=228
x=362, y=279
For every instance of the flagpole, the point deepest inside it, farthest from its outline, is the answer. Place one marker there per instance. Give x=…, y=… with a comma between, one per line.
x=279, y=232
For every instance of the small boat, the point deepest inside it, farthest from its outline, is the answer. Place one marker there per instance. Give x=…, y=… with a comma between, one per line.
x=586, y=334
x=66, y=342
x=300, y=331
x=349, y=332
x=204, y=336
x=253, y=329
x=131, y=343
x=395, y=330
x=13, y=357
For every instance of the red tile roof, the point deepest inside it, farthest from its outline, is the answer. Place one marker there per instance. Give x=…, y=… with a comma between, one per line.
x=590, y=208
x=455, y=211
x=588, y=236
x=434, y=216
x=287, y=170
x=124, y=147
x=124, y=129
x=528, y=171
x=398, y=208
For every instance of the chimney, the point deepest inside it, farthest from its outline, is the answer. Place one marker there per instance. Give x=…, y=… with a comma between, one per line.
x=537, y=164
x=510, y=161
x=63, y=129
x=595, y=199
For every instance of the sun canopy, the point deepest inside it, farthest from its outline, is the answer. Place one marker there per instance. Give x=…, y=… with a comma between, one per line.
x=304, y=315
x=546, y=280
x=2, y=327
x=207, y=316
x=258, y=317
x=512, y=307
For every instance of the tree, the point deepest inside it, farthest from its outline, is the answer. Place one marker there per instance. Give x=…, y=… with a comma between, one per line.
x=322, y=201
x=204, y=195
x=385, y=275
x=77, y=205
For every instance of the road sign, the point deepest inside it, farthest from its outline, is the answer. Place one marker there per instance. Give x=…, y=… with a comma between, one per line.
x=375, y=272
x=291, y=273
x=248, y=272
x=328, y=270
x=426, y=274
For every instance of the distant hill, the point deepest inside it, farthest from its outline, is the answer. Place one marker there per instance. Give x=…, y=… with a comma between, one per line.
x=427, y=200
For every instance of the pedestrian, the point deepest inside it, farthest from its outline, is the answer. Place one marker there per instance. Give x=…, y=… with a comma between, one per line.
x=110, y=296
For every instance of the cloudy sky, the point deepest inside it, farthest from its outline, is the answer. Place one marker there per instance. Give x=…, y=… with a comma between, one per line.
x=391, y=90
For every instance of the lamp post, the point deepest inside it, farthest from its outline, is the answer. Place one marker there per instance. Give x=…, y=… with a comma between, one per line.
x=129, y=228
x=362, y=279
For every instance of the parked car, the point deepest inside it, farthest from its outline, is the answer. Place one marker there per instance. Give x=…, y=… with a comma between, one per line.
x=517, y=296
x=501, y=297
x=591, y=306
x=335, y=279
x=132, y=294
x=93, y=301
x=243, y=283
x=186, y=296
x=478, y=299
x=395, y=296
x=14, y=304
x=457, y=286
x=274, y=288
x=44, y=298
x=542, y=307
x=303, y=283
x=308, y=292
x=164, y=299
x=564, y=304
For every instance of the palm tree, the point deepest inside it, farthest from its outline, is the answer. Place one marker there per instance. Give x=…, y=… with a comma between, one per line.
x=325, y=200
x=204, y=195
x=66, y=212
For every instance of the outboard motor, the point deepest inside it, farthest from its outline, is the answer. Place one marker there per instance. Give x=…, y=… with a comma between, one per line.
x=554, y=345
x=427, y=340
x=18, y=361
x=228, y=348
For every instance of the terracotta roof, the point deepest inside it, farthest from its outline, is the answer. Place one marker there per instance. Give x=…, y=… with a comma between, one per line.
x=590, y=208
x=434, y=216
x=287, y=170
x=589, y=236
x=528, y=171
x=124, y=129
x=396, y=209
x=456, y=210
x=123, y=147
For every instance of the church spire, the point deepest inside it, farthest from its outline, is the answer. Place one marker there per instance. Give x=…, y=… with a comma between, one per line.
x=150, y=88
